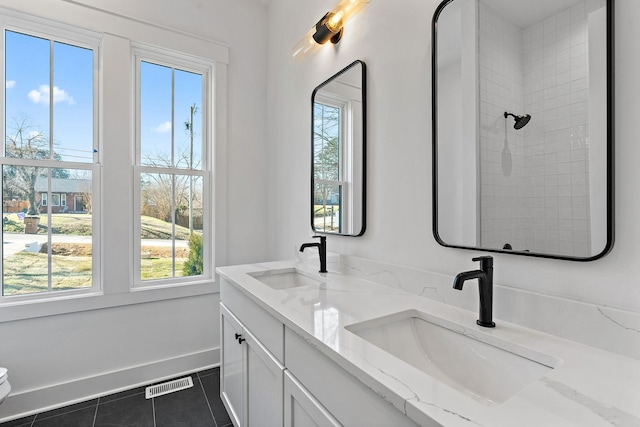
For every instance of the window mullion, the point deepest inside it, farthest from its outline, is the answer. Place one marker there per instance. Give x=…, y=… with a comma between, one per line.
x=51, y=69
x=50, y=196
x=173, y=112
x=173, y=225
x=49, y=249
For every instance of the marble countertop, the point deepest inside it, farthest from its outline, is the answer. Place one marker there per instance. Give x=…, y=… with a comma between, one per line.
x=587, y=387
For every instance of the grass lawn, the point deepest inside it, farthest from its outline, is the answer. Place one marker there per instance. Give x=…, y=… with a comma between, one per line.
x=80, y=225
x=320, y=210
x=160, y=268
x=26, y=272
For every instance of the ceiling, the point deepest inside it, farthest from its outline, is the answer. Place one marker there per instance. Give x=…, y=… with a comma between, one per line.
x=525, y=13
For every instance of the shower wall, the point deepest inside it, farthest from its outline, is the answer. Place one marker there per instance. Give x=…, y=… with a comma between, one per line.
x=546, y=196
x=503, y=218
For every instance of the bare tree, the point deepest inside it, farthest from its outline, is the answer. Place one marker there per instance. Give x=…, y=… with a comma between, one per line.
x=24, y=142
x=160, y=195
x=86, y=194
x=326, y=151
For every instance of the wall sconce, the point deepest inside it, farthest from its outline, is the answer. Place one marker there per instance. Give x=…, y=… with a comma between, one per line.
x=330, y=26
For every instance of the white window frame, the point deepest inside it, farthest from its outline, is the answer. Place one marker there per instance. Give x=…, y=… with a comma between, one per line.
x=116, y=34
x=74, y=36
x=146, y=53
x=43, y=199
x=53, y=199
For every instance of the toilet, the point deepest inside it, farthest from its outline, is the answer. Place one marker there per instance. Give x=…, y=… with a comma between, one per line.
x=5, y=387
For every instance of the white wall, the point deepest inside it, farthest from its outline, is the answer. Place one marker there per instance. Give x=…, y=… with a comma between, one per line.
x=64, y=357
x=394, y=39
x=457, y=123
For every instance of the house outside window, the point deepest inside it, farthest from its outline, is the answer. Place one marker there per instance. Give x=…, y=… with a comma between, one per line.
x=63, y=190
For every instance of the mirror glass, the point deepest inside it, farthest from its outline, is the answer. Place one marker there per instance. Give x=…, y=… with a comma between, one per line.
x=338, y=138
x=522, y=129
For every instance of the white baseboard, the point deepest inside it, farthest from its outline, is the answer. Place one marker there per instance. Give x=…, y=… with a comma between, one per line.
x=55, y=396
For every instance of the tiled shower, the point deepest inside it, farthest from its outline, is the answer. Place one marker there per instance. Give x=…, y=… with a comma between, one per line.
x=535, y=181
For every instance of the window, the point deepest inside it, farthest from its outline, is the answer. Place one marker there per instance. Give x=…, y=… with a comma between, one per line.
x=172, y=168
x=49, y=141
x=329, y=157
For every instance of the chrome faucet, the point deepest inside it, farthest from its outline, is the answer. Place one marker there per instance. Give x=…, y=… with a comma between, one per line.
x=322, y=250
x=485, y=285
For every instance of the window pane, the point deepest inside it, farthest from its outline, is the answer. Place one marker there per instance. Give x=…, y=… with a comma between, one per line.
x=326, y=142
x=71, y=230
x=167, y=223
x=27, y=96
x=24, y=269
x=26, y=237
x=188, y=118
x=72, y=103
x=155, y=115
x=327, y=207
x=189, y=192
x=156, y=226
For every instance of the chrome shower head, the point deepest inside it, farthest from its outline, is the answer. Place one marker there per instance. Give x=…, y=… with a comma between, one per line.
x=521, y=121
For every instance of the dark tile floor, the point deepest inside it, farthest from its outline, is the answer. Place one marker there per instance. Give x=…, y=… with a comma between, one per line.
x=197, y=406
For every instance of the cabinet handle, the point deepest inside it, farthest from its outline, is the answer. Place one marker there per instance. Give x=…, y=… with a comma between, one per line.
x=238, y=336
x=240, y=340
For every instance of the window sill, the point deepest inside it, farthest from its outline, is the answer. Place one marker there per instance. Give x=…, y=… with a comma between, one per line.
x=51, y=306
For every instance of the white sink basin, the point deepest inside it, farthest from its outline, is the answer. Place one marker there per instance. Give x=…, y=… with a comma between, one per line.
x=285, y=278
x=488, y=369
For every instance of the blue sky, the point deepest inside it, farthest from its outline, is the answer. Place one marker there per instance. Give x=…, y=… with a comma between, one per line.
x=27, y=83
x=155, y=120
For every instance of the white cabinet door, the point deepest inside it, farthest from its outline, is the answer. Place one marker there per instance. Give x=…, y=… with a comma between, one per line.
x=264, y=382
x=232, y=383
x=301, y=409
x=251, y=378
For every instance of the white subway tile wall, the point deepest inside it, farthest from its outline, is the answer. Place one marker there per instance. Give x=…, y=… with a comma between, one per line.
x=535, y=186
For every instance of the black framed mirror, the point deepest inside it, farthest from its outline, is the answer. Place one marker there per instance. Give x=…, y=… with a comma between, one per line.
x=523, y=140
x=338, y=148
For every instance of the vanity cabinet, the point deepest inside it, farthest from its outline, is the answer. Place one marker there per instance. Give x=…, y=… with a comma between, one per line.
x=259, y=389
x=252, y=376
x=251, y=381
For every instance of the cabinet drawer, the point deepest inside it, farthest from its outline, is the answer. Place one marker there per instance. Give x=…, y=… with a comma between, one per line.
x=266, y=328
x=347, y=399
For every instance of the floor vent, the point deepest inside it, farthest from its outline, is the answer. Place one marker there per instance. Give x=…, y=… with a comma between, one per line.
x=168, y=387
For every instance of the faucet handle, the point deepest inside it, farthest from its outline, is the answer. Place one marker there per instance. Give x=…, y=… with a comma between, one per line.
x=486, y=261
x=322, y=238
